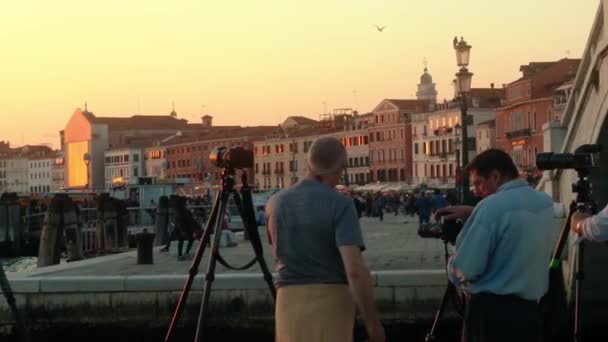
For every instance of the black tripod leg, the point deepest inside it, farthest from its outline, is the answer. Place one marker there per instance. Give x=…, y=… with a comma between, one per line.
x=210, y=276
x=578, y=319
x=444, y=301
x=248, y=217
x=194, y=266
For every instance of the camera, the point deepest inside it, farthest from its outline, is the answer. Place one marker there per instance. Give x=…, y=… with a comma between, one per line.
x=446, y=230
x=582, y=159
x=231, y=158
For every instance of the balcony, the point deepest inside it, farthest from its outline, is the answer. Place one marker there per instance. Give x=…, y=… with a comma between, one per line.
x=443, y=131
x=442, y=156
x=520, y=133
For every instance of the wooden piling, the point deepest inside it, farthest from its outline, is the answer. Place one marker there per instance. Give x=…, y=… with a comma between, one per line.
x=52, y=231
x=11, y=234
x=72, y=231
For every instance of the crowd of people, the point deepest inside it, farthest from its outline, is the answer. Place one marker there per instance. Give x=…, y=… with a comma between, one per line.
x=422, y=202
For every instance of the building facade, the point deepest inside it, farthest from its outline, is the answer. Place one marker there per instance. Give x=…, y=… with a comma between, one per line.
x=281, y=158
x=355, y=138
x=40, y=175
x=529, y=105
x=486, y=135
x=123, y=166
x=58, y=171
x=390, y=139
x=437, y=136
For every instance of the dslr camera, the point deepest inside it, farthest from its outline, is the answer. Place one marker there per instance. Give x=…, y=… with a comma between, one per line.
x=231, y=158
x=446, y=230
x=582, y=160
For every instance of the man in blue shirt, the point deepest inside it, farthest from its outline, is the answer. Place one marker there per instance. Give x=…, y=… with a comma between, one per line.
x=502, y=252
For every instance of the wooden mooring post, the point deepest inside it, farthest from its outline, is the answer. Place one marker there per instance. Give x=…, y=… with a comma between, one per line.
x=60, y=228
x=111, y=229
x=11, y=232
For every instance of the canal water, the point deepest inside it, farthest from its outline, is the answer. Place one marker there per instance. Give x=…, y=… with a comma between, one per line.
x=18, y=264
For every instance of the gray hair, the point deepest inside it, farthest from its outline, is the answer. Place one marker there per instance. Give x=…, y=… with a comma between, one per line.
x=326, y=155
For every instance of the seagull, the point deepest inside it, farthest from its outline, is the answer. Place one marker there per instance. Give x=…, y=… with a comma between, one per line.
x=380, y=29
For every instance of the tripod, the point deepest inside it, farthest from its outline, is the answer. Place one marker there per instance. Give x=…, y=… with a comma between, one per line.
x=450, y=292
x=214, y=225
x=583, y=203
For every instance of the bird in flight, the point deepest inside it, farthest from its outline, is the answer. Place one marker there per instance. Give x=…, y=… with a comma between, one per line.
x=380, y=28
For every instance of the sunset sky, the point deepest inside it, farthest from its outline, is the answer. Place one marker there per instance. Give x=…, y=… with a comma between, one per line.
x=257, y=62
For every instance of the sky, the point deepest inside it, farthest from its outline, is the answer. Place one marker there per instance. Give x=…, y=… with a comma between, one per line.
x=257, y=62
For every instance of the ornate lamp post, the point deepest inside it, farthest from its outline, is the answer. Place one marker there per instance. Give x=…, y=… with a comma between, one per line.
x=463, y=86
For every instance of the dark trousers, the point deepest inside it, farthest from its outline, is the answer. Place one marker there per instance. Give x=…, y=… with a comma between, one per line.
x=501, y=318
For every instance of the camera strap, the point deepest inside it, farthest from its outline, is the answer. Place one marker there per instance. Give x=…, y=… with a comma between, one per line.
x=227, y=265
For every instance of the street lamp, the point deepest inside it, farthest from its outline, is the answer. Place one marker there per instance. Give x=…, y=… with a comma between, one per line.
x=87, y=160
x=463, y=86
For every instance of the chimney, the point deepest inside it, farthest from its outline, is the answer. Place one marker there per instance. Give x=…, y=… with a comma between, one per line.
x=504, y=85
x=207, y=120
x=492, y=85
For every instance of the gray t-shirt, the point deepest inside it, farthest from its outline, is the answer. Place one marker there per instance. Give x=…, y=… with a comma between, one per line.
x=307, y=223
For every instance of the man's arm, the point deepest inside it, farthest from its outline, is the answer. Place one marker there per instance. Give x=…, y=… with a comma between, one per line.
x=360, y=283
x=472, y=254
x=594, y=227
x=454, y=212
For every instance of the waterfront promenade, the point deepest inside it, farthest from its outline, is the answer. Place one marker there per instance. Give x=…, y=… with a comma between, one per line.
x=391, y=245
x=113, y=291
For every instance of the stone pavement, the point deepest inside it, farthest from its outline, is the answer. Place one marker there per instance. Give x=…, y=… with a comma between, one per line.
x=391, y=245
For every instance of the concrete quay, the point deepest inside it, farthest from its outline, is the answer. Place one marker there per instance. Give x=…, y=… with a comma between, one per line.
x=408, y=274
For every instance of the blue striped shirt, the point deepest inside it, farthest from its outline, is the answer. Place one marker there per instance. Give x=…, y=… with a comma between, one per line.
x=505, y=246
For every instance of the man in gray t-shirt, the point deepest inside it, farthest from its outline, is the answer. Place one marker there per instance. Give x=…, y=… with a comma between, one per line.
x=317, y=243
x=309, y=221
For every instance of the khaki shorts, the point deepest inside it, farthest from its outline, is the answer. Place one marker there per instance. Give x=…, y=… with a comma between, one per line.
x=314, y=313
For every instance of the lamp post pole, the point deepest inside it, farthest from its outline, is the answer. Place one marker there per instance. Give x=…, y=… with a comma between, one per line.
x=87, y=159
x=463, y=86
x=465, y=148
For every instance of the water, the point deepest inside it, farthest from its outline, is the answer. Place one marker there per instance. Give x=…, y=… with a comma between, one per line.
x=18, y=264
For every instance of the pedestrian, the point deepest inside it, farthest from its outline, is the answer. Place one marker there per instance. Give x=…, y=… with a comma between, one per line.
x=423, y=207
x=502, y=253
x=317, y=242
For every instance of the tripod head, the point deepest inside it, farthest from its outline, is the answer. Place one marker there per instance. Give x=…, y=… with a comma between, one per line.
x=582, y=161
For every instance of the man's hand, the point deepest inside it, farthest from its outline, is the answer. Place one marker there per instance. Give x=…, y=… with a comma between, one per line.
x=578, y=217
x=360, y=283
x=375, y=332
x=454, y=212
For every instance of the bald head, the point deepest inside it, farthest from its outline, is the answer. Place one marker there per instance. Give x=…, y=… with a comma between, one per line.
x=326, y=155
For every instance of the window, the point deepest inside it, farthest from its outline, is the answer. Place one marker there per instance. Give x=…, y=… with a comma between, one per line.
x=416, y=148
x=534, y=121
x=516, y=121
x=136, y=157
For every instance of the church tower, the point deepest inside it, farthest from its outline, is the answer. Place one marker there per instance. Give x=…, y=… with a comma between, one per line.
x=426, y=88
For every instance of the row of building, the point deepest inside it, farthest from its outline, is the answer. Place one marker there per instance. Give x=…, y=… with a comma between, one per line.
x=401, y=140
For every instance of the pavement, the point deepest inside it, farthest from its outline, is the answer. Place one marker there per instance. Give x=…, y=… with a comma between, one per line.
x=392, y=244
